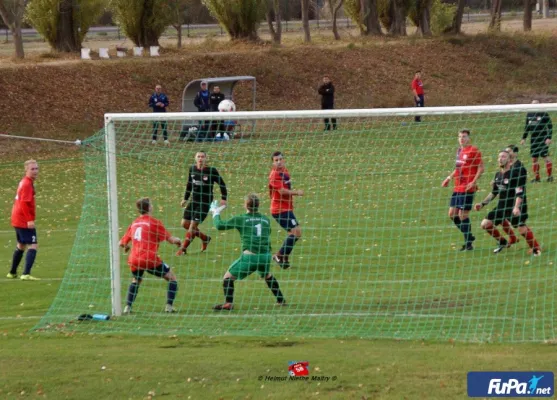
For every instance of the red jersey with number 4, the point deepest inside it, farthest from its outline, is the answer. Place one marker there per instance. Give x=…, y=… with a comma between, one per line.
x=468, y=161
x=418, y=86
x=145, y=233
x=23, y=210
x=280, y=202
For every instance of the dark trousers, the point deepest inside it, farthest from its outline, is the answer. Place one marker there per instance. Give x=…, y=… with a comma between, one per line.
x=163, y=125
x=419, y=103
x=328, y=123
x=216, y=127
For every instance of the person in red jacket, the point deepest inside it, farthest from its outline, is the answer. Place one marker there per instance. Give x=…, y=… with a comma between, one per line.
x=23, y=221
x=418, y=92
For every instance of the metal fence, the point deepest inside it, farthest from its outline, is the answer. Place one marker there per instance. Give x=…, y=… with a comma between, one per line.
x=205, y=30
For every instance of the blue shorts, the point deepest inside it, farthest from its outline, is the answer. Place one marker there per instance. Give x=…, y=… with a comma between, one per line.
x=287, y=220
x=160, y=271
x=26, y=235
x=462, y=201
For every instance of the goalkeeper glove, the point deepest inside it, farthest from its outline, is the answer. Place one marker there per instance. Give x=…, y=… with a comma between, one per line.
x=215, y=208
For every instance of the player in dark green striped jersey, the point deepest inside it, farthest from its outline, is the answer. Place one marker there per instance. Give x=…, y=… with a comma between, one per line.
x=255, y=231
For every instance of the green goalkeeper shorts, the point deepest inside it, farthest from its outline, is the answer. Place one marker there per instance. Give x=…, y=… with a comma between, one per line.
x=247, y=264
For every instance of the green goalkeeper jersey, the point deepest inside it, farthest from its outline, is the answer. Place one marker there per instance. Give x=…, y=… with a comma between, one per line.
x=254, y=228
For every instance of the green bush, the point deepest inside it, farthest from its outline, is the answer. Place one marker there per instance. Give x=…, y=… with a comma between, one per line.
x=441, y=16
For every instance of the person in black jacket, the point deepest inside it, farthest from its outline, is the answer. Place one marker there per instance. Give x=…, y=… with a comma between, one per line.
x=327, y=92
x=158, y=102
x=214, y=101
x=202, y=102
x=540, y=128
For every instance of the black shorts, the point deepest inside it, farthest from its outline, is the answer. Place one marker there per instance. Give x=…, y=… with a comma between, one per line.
x=497, y=216
x=462, y=201
x=196, y=211
x=160, y=271
x=287, y=220
x=26, y=235
x=539, y=150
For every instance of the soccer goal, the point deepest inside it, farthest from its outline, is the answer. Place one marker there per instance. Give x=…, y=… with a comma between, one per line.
x=378, y=256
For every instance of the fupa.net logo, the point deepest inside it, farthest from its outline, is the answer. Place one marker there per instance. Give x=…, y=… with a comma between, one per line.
x=511, y=384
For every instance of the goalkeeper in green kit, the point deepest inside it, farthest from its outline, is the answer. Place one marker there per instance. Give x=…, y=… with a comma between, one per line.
x=255, y=231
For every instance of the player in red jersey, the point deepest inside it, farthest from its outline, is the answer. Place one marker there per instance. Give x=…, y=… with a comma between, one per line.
x=23, y=221
x=282, y=207
x=469, y=168
x=146, y=233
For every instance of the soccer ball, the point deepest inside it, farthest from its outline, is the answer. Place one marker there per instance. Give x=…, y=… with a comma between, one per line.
x=227, y=106
x=222, y=136
x=192, y=130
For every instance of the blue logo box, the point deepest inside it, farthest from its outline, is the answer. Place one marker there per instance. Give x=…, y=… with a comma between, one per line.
x=510, y=384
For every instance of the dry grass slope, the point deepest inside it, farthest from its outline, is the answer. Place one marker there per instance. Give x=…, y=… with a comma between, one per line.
x=66, y=99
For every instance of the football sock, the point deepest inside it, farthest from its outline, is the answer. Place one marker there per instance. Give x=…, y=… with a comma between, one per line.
x=201, y=235
x=532, y=242
x=507, y=228
x=132, y=293
x=29, y=261
x=187, y=240
x=536, y=168
x=228, y=287
x=172, y=290
x=549, y=168
x=288, y=245
x=273, y=284
x=466, y=229
x=16, y=259
x=457, y=221
x=496, y=234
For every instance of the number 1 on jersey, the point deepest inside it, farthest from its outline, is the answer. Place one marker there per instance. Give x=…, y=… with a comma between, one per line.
x=258, y=229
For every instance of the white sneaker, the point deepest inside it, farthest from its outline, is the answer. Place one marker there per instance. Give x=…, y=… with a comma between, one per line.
x=127, y=310
x=154, y=142
x=169, y=309
x=166, y=142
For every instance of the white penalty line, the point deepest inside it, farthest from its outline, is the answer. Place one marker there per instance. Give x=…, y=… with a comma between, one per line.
x=137, y=317
x=312, y=281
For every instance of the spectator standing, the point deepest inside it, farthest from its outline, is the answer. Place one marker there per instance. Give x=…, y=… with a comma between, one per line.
x=158, y=102
x=214, y=101
x=202, y=102
x=327, y=92
x=418, y=91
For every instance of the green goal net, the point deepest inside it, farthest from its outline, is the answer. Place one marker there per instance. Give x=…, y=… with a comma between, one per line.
x=378, y=256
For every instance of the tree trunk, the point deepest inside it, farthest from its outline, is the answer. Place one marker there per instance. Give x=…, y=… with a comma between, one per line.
x=305, y=20
x=67, y=40
x=13, y=21
x=178, y=28
x=397, y=12
x=276, y=34
x=372, y=20
x=457, y=19
x=363, y=18
x=334, y=13
x=495, y=22
x=424, y=8
x=527, y=20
